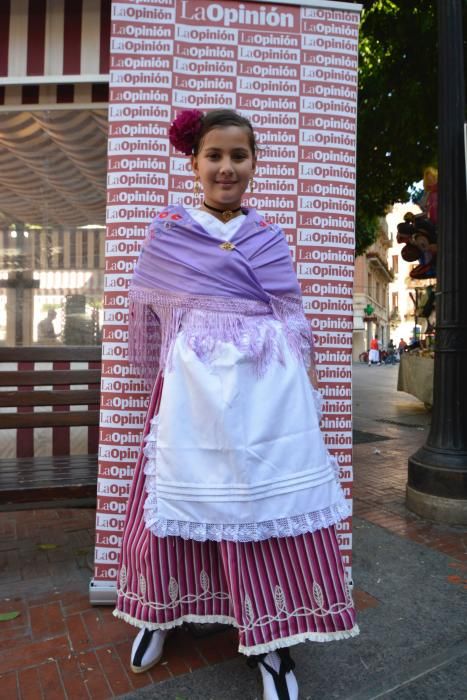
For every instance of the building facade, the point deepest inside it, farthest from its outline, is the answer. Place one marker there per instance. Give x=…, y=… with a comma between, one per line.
x=371, y=294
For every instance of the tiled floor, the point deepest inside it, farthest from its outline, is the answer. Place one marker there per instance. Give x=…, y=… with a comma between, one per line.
x=379, y=490
x=59, y=646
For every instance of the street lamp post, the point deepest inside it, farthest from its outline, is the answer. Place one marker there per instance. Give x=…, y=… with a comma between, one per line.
x=437, y=475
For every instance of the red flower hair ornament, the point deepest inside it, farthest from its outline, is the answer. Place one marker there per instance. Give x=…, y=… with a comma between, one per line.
x=184, y=130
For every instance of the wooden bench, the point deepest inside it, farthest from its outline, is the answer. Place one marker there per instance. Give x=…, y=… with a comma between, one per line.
x=63, y=477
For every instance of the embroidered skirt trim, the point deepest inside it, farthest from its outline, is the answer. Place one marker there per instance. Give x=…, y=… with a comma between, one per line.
x=246, y=650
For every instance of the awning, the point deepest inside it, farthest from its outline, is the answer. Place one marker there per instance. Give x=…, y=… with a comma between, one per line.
x=49, y=48
x=53, y=167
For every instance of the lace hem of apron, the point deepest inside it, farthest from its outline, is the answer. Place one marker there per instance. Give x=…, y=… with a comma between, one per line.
x=234, y=532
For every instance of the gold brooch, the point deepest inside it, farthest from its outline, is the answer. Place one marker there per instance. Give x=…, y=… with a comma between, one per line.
x=227, y=246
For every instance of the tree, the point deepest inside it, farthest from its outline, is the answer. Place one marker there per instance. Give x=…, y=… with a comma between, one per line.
x=397, y=113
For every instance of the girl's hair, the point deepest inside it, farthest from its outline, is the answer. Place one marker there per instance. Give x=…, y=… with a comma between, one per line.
x=220, y=118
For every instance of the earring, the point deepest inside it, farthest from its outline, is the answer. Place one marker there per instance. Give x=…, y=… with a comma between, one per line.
x=252, y=185
x=196, y=187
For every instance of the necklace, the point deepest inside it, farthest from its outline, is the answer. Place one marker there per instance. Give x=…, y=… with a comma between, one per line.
x=226, y=214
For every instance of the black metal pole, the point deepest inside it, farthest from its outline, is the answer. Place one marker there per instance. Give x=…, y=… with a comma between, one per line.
x=437, y=475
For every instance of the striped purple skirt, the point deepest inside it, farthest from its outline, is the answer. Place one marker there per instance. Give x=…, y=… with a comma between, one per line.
x=276, y=592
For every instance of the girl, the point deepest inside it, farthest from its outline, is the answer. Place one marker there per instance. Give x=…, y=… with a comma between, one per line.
x=235, y=497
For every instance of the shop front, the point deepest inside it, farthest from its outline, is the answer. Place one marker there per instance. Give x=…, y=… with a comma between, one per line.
x=54, y=71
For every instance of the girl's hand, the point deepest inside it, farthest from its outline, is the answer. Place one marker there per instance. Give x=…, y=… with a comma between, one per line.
x=313, y=377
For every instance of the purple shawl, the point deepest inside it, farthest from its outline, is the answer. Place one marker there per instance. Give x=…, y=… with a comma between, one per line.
x=188, y=280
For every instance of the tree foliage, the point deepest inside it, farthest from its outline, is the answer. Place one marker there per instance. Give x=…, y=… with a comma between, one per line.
x=397, y=112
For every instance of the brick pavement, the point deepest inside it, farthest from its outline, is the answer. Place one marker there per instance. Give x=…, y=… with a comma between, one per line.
x=61, y=648
x=379, y=497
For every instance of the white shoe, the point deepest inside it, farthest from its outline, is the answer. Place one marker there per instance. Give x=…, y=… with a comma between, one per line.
x=279, y=682
x=147, y=649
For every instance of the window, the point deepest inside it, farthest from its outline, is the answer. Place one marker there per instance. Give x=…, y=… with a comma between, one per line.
x=395, y=300
x=395, y=264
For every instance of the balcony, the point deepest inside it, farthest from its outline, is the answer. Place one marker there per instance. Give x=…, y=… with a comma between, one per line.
x=376, y=261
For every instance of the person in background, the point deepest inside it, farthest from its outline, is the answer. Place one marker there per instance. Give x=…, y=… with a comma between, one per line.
x=373, y=355
x=45, y=329
x=391, y=356
x=402, y=346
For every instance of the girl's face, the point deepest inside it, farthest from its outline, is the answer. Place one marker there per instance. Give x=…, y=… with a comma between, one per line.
x=224, y=164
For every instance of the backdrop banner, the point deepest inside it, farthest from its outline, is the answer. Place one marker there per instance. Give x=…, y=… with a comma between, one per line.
x=292, y=70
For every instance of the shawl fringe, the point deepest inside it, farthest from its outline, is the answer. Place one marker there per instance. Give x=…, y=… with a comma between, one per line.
x=156, y=317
